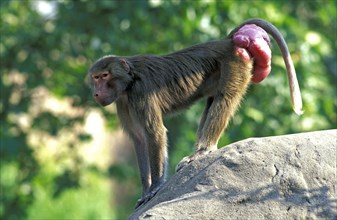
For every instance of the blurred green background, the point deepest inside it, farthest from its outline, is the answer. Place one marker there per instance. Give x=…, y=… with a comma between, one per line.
x=64, y=157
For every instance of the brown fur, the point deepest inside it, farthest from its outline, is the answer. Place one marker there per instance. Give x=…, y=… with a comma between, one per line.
x=145, y=87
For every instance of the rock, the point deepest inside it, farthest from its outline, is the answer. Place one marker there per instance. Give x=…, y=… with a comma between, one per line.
x=283, y=177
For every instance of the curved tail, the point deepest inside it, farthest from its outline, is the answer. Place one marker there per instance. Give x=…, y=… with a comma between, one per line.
x=295, y=92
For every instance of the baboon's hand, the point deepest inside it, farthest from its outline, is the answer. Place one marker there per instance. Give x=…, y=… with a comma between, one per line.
x=148, y=196
x=253, y=42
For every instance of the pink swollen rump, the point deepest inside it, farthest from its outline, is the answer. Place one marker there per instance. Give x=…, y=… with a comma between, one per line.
x=253, y=42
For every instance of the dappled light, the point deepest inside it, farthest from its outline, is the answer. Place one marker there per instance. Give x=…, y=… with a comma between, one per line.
x=63, y=156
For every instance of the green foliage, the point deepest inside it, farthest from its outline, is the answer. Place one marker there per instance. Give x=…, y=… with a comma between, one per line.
x=51, y=51
x=83, y=202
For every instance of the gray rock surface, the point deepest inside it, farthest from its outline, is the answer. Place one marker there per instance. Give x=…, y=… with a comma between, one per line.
x=283, y=177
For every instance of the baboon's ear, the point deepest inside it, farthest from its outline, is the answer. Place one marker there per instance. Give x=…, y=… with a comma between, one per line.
x=125, y=65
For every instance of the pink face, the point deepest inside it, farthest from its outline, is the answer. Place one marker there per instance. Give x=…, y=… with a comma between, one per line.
x=253, y=42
